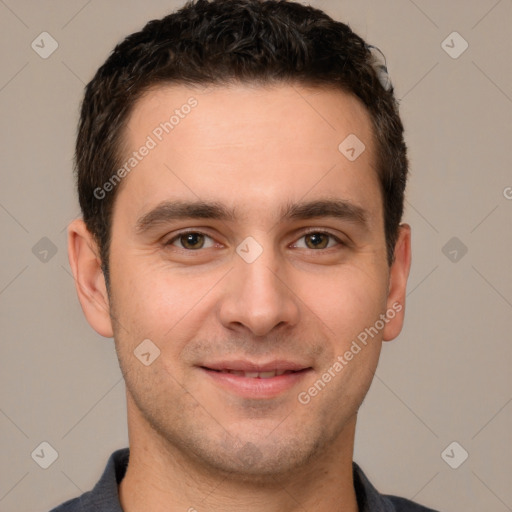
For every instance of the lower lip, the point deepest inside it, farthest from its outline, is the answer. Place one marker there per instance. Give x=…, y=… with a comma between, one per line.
x=249, y=387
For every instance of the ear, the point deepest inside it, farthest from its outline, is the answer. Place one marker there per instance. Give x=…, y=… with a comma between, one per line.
x=90, y=285
x=399, y=272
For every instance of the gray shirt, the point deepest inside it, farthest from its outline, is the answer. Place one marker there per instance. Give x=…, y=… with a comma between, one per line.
x=105, y=495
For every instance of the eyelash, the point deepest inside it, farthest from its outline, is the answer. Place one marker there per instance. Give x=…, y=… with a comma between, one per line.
x=312, y=232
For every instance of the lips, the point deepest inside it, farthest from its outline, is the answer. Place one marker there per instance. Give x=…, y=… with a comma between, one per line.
x=256, y=370
x=253, y=380
x=255, y=375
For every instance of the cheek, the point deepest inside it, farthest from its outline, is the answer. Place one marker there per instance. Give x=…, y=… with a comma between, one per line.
x=156, y=302
x=347, y=300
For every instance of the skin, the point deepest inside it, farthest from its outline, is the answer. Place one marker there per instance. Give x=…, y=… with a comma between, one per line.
x=193, y=444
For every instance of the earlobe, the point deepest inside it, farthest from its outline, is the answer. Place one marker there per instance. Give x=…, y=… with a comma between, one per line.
x=398, y=275
x=89, y=280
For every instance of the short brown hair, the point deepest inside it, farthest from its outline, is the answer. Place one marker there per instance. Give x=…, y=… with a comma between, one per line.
x=223, y=42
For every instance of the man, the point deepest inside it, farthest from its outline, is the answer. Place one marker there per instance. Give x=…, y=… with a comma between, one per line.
x=241, y=172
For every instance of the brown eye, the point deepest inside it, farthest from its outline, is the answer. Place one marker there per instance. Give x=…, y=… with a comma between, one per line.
x=191, y=241
x=317, y=240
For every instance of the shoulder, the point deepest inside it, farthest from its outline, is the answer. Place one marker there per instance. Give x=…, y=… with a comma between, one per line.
x=73, y=505
x=104, y=495
x=369, y=499
x=405, y=505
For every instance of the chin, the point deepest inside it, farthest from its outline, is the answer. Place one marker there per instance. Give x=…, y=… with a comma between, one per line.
x=260, y=461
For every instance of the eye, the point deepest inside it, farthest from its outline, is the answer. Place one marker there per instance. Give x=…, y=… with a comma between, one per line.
x=318, y=240
x=192, y=241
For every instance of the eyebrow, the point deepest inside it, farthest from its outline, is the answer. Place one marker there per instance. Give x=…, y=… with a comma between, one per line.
x=175, y=210
x=169, y=211
x=336, y=208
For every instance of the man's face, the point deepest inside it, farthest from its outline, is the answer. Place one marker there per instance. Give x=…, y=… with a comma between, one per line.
x=286, y=279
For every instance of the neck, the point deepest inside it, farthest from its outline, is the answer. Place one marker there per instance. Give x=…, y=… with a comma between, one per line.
x=164, y=478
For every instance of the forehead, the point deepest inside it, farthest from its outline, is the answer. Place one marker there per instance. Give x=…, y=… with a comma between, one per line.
x=284, y=113
x=252, y=143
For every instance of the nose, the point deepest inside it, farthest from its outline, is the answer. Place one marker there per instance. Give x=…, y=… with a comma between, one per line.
x=259, y=297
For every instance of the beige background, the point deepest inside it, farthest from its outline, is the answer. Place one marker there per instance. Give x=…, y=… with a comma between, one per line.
x=448, y=376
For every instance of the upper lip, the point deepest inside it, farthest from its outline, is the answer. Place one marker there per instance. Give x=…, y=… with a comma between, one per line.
x=249, y=366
